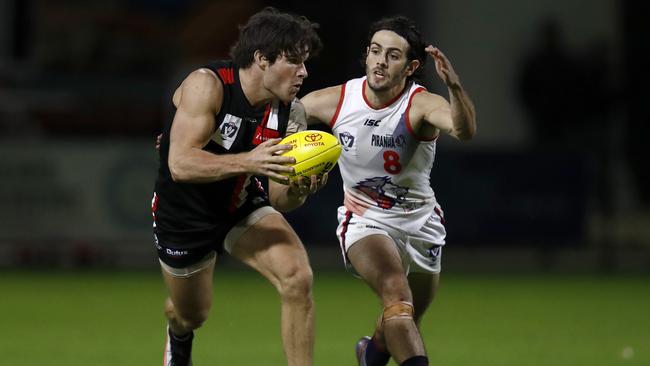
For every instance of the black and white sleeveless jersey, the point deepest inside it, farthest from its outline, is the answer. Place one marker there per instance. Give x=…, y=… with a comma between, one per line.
x=201, y=210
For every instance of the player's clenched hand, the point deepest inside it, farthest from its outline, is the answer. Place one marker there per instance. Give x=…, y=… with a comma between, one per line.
x=266, y=159
x=303, y=186
x=443, y=66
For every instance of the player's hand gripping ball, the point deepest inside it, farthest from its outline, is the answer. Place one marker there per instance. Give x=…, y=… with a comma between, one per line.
x=316, y=153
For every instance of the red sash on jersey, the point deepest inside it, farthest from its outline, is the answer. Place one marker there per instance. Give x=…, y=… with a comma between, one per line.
x=263, y=133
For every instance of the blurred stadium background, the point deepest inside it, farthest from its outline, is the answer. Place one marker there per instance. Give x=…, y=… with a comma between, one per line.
x=553, y=194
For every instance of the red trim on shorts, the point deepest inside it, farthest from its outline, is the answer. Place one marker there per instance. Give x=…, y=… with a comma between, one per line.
x=338, y=106
x=363, y=93
x=439, y=213
x=346, y=222
x=407, y=119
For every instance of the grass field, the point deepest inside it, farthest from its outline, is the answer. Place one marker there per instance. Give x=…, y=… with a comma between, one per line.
x=89, y=318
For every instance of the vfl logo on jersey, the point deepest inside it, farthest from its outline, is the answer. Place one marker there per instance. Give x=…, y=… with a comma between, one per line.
x=371, y=122
x=227, y=132
x=347, y=140
x=377, y=188
x=388, y=141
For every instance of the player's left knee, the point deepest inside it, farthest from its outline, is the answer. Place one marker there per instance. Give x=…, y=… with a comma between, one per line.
x=296, y=283
x=398, y=310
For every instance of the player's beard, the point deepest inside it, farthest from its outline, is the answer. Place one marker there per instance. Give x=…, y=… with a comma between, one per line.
x=389, y=82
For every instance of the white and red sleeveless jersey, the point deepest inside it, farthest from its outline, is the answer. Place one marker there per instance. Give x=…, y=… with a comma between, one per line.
x=385, y=167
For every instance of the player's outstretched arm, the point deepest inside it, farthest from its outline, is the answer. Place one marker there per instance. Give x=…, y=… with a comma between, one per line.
x=458, y=116
x=320, y=105
x=198, y=101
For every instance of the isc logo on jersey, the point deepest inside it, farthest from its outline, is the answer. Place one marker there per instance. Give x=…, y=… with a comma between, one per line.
x=371, y=122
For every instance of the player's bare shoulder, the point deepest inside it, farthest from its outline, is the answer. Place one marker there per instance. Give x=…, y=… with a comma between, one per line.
x=201, y=87
x=431, y=109
x=321, y=104
x=427, y=101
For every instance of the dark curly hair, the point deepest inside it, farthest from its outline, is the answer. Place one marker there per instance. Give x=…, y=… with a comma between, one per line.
x=274, y=33
x=407, y=29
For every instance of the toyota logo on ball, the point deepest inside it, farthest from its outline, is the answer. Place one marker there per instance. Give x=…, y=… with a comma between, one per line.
x=313, y=137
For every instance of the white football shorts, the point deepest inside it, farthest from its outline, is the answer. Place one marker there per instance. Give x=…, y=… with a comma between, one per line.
x=420, y=251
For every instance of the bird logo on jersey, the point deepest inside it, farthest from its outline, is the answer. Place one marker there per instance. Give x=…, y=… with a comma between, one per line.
x=377, y=189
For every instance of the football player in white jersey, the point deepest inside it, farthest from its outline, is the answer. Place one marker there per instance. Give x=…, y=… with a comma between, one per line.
x=390, y=225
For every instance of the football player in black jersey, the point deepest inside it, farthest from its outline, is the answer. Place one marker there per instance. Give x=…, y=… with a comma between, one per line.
x=230, y=116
